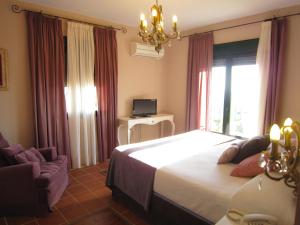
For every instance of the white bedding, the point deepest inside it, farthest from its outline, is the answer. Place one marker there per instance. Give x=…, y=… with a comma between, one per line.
x=199, y=184
x=187, y=171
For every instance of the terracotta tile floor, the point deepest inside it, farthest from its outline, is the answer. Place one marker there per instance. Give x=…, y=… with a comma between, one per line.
x=85, y=202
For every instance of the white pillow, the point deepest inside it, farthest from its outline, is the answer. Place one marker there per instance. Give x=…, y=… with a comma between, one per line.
x=274, y=198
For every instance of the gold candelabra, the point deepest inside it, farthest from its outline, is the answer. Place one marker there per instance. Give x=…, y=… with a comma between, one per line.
x=157, y=35
x=280, y=163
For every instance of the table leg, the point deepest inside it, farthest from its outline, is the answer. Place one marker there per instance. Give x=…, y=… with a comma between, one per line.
x=128, y=135
x=161, y=129
x=173, y=127
x=118, y=135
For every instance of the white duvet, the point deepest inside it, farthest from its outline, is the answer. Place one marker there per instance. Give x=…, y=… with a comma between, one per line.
x=187, y=171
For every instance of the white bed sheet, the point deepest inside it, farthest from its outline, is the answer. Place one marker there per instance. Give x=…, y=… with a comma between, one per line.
x=197, y=183
x=187, y=171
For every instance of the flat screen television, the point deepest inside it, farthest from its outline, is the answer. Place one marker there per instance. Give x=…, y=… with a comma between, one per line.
x=144, y=107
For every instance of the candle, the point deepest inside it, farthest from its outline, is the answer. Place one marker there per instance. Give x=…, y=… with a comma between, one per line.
x=274, y=137
x=145, y=23
x=287, y=132
x=154, y=12
x=174, y=19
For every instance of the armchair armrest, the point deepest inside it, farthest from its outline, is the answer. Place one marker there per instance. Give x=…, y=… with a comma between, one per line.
x=17, y=184
x=49, y=153
x=18, y=173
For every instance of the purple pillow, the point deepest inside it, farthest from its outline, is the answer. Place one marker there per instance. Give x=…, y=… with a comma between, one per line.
x=10, y=152
x=3, y=142
x=21, y=158
x=28, y=156
x=251, y=147
x=37, y=154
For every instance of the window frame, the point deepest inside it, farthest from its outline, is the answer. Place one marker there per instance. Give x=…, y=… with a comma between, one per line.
x=229, y=55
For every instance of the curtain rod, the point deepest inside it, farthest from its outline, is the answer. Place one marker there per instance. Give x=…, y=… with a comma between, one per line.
x=240, y=25
x=17, y=9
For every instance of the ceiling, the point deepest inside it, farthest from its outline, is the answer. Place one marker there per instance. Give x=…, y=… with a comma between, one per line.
x=190, y=13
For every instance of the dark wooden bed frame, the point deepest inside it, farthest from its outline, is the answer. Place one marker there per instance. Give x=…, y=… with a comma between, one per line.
x=163, y=212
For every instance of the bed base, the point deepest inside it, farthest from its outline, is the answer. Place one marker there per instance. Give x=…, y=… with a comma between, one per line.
x=161, y=212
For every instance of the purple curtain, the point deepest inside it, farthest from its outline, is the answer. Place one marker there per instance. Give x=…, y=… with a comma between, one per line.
x=200, y=61
x=1, y=81
x=278, y=41
x=106, y=81
x=47, y=63
x=297, y=220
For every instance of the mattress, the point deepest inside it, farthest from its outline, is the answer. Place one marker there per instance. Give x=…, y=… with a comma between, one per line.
x=198, y=184
x=187, y=172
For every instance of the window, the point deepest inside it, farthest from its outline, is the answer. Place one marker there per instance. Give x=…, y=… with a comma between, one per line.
x=234, y=89
x=85, y=97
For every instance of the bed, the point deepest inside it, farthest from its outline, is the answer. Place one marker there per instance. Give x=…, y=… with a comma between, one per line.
x=176, y=174
x=176, y=180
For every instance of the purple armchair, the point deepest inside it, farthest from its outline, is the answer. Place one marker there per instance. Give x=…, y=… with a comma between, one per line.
x=30, y=189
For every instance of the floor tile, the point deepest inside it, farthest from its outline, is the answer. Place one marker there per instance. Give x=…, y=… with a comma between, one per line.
x=77, y=189
x=18, y=220
x=66, y=202
x=101, y=217
x=78, y=173
x=94, y=182
x=132, y=217
x=85, y=178
x=32, y=223
x=86, y=201
x=84, y=196
x=74, y=212
x=96, y=204
x=102, y=192
x=53, y=218
x=2, y=221
x=118, y=207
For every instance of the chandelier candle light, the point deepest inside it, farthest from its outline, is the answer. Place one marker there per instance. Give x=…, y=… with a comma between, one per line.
x=157, y=36
x=281, y=163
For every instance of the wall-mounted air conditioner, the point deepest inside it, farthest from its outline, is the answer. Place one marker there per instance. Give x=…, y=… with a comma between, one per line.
x=140, y=49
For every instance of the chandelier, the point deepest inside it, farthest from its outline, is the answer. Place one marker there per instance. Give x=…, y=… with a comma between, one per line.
x=156, y=35
x=281, y=162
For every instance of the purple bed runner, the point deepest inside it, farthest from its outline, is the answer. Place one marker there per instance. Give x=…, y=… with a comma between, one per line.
x=131, y=176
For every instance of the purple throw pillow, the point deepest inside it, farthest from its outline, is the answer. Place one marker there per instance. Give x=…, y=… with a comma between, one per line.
x=31, y=156
x=10, y=152
x=3, y=142
x=251, y=147
x=28, y=156
x=38, y=154
x=21, y=158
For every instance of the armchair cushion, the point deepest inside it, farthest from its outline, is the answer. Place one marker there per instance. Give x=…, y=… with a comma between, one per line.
x=53, y=178
x=9, y=153
x=49, y=171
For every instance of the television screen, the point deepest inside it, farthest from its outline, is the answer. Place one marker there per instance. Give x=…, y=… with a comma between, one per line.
x=144, y=107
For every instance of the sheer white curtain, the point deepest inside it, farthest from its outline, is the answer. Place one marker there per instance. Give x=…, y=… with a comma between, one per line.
x=263, y=62
x=81, y=94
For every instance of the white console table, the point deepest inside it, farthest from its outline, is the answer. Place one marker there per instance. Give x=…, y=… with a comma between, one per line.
x=226, y=221
x=130, y=122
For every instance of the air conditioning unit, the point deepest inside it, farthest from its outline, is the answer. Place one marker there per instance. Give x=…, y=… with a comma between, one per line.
x=140, y=49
